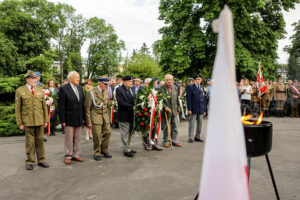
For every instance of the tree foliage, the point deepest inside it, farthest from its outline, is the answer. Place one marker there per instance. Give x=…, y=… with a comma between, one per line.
x=188, y=41
x=141, y=64
x=294, y=51
x=104, y=50
x=34, y=33
x=70, y=38
x=26, y=29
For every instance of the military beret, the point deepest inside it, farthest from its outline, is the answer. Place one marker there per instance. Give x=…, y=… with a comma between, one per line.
x=30, y=74
x=103, y=80
x=38, y=73
x=197, y=76
x=127, y=78
x=119, y=76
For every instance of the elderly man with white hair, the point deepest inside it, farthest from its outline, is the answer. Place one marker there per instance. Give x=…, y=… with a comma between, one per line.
x=72, y=115
x=171, y=108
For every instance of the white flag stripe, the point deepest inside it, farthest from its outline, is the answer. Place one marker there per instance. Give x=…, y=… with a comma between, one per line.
x=225, y=161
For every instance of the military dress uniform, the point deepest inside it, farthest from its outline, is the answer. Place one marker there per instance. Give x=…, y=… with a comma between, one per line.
x=280, y=95
x=266, y=99
x=97, y=114
x=254, y=101
x=31, y=111
x=294, y=101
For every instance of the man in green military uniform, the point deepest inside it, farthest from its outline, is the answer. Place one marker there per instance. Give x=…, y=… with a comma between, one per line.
x=97, y=117
x=294, y=95
x=32, y=117
x=280, y=96
x=266, y=99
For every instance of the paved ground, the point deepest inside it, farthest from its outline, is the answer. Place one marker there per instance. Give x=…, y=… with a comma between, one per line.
x=170, y=174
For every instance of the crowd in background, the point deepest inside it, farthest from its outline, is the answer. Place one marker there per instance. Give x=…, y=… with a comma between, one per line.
x=278, y=100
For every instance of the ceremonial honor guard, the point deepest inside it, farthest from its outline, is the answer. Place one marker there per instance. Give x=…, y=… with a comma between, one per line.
x=196, y=108
x=125, y=97
x=172, y=108
x=294, y=95
x=266, y=99
x=280, y=96
x=97, y=117
x=32, y=117
x=254, y=100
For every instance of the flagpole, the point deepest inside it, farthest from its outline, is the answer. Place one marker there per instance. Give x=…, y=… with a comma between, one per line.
x=259, y=105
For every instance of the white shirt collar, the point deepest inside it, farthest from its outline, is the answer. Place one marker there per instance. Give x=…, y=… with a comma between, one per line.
x=74, y=86
x=99, y=89
x=29, y=87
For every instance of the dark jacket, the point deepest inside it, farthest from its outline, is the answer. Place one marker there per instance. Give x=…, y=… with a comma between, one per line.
x=125, y=104
x=171, y=100
x=71, y=111
x=195, y=99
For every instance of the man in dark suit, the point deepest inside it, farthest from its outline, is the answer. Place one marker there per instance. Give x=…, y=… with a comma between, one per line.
x=72, y=115
x=196, y=104
x=125, y=97
x=172, y=108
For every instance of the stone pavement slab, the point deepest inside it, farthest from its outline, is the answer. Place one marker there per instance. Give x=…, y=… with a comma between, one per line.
x=170, y=174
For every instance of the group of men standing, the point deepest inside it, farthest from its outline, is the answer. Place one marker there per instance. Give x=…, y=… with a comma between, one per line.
x=75, y=110
x=279, y=99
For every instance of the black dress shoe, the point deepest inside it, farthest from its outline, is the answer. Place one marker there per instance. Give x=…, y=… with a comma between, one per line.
x=129, y=154
x=107, y=155
x=97, y=158
x=53, y=134
x=45, y=139
x=132, y=151
x=44, y=165
x=29, y=167
x=198, y=140
x=190, y=141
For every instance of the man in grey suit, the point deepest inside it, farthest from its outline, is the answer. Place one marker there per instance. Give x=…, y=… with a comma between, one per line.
x=172, y=108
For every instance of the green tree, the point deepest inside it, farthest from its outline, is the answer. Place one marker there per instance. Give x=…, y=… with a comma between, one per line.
x=70, y=38
x=188, y=41
x=104, y=50
x=26, y=27
x=141, y=64
x=9, y=60
x=294, y=51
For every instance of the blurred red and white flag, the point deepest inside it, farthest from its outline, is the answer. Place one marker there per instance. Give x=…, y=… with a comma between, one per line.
x=260, y=83
x=224, y=169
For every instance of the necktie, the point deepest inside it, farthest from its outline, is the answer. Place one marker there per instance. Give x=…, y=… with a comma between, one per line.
x=76, y=92
x=32, y=91
x=130, y=91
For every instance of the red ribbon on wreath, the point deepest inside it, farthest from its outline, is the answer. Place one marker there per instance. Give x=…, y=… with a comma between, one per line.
x=153, y=117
